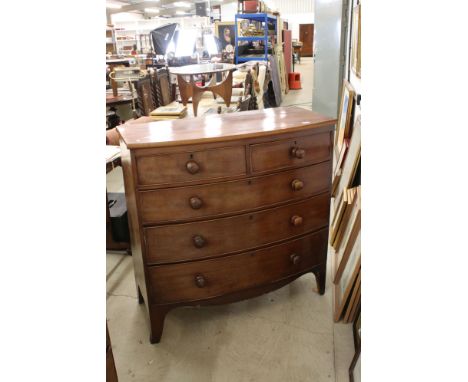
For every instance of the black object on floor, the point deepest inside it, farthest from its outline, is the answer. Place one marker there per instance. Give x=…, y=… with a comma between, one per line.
x=118, y=216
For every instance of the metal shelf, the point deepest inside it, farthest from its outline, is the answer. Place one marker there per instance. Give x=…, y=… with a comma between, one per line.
x=256, y=16
x=265, y=18
x=245, y=59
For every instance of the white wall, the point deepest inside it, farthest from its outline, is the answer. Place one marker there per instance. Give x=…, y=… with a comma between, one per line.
x=296, y=19
x=228, y=11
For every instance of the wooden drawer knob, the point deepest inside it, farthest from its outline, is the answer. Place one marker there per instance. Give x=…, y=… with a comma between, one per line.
x=298, y=153
x=192, y=167
x=200, y=281
x=199, y=241
x=296, y=220
x=295, y=259
x=297, y=185
x=195, y=202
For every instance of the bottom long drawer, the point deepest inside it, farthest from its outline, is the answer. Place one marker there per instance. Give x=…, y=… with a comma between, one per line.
x=199, y=280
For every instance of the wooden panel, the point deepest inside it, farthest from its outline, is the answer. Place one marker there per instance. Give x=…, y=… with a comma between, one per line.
x=203, y=279
x=306, y=35
x=232, y=197
x=224, y=127
x=175, y=168
x=280, y=154
x=179, y=242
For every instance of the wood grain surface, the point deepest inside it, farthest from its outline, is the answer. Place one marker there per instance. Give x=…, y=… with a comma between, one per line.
x=177, y=282
x=223, y=127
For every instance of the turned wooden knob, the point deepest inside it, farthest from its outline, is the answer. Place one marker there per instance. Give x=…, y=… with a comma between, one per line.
x=195, y=202
x=200, y=281
x=297, y=185
x=295, y=259
x=298, y=153
x=192, y=167
x=199, y=241
x=296, y=220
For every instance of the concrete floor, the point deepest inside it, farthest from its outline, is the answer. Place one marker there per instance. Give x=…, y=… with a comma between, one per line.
x=286, y=335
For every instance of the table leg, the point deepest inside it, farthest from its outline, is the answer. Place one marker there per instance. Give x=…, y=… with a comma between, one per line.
x=185, y=89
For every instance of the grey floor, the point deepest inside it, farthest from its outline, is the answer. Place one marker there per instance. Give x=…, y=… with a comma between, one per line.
x=286, y=335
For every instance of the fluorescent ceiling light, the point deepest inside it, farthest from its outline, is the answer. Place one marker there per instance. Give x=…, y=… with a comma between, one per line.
x=113, y=6
x=180, y=12
x=182, y=4
x=151, y=10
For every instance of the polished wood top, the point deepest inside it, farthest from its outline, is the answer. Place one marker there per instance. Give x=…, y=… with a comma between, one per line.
x=223, y=127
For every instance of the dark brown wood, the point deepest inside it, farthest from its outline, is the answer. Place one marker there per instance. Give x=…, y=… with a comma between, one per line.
x=188, y=166
x=214, y=218
x=290, y=152
x=145, y=99
x=273, y=124
x=234, y=234
x=306, y=36
x=230, y=197
x=215, y=277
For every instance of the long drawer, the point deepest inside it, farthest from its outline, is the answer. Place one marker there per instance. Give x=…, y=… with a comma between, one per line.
x=198, y=280
x=192, y=241
x=190, y=166
x=184, y=203
x=287, y=153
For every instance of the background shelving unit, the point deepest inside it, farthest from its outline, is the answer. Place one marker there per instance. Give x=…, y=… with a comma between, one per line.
x=267, y=38
x=110, y=40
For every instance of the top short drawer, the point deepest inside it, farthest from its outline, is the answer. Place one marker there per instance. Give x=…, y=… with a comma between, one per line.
x=289, y=153
x=190, y=166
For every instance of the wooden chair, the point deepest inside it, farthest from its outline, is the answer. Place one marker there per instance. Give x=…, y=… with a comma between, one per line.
x=162, y=90
x=145, y=102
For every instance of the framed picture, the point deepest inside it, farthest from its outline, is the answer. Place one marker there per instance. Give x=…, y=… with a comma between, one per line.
x=344, y=288
x=344, y=119
x=356, y=41
x=226, y=32
x=350, y=166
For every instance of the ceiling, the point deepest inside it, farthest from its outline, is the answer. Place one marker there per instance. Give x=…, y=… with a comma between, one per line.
x=166, y=8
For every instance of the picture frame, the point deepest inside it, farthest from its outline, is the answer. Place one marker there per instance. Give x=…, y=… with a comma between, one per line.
x=344, y=288
x=350, y=166
x=356, y=41
x=349, y=235
x=226, y=32
x=343, y=127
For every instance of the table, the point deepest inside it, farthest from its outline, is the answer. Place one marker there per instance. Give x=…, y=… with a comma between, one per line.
x=112, y=64
x=190, y=89
x=113, y=119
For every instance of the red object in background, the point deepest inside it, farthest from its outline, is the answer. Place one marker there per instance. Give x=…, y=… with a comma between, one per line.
x=287, y=40
x=294, y=81
x=250, y=6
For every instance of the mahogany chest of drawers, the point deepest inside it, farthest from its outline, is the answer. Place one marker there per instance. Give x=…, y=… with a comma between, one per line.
x=226, y=207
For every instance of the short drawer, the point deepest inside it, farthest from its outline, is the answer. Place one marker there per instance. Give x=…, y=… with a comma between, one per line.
x=197, y=240
x=290, y=152
x=204, y=279
x=191, y=166
x=209, y=200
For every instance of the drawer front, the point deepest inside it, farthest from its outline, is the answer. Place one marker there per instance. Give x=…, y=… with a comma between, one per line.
x=204, y=279
x=192, y=241
x=193, y=166
x=183, y=203
x=290, y=152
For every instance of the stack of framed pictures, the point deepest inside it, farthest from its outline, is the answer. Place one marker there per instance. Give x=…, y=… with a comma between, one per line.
x=345, y=222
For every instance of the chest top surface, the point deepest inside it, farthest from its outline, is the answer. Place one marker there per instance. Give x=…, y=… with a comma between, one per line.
x=224, y=127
